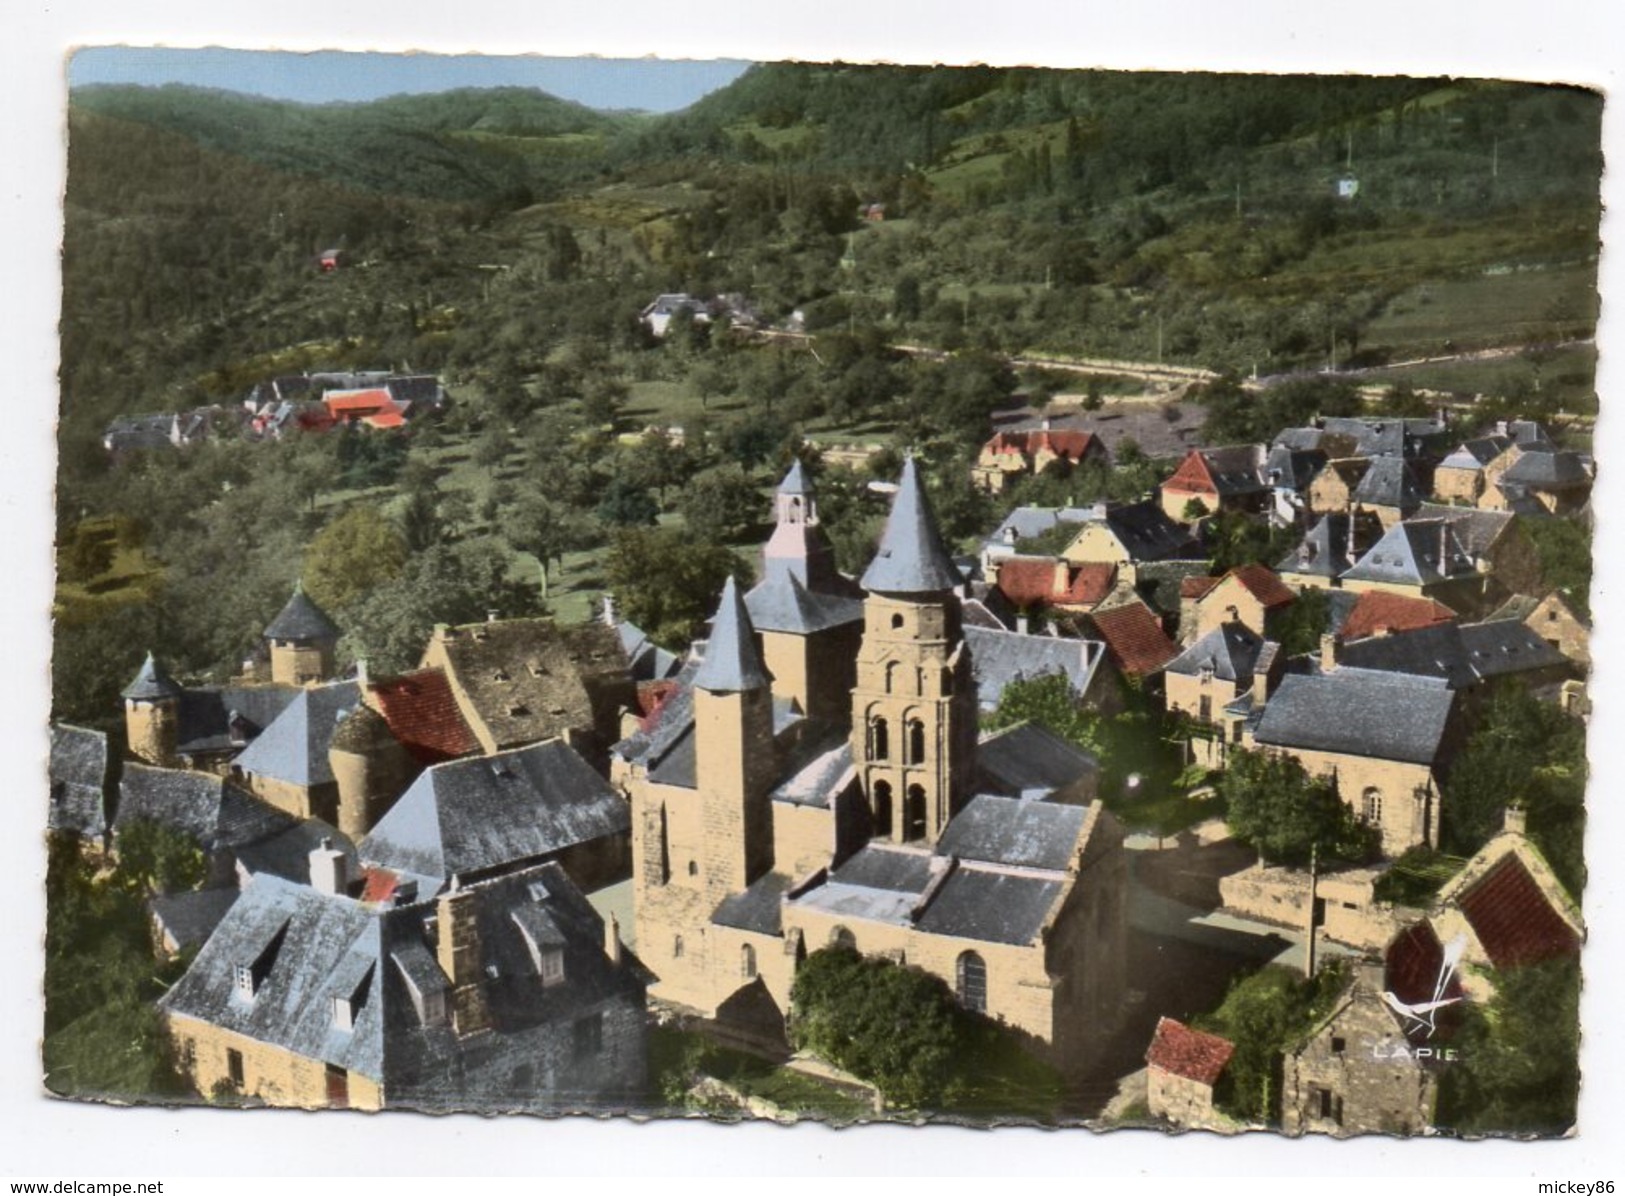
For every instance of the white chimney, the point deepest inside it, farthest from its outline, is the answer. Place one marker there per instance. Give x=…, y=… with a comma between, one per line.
x=329, y=870
x=612, y=939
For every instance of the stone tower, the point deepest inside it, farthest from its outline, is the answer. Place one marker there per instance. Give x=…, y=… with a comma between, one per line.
x=302, y=640
x=152, y=704
x=370, y=767
x=734, y=762
x=914, y=704
x=809, y=617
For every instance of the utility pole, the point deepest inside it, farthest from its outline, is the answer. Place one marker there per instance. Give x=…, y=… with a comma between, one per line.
x=1309, y=940
x=1159, y=338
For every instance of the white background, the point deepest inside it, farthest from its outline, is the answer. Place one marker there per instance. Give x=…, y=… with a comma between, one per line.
x=1548, y=40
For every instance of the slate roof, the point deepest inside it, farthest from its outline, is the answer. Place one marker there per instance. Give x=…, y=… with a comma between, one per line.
x=1146, y=532
x=732, y=663
x=1134, y=638
x=1230, y=651
x=1547, y=471
x=648, y=661
x=287, y=852
x=1359, y=712
x=1324, y=549
x=912, y=558
x=1389, y=483
x=1403, y=438
x=152, y=683
x=782, y=603
x=1228, y=471
x=302, y=619
x=1378, y=612
x=1289, y=469
x=1417, y=552
x=1476, y=529
x=316, y=949
x=190, y=918
x=1463, y=654
x=991, y=906
x=294, y=747
x=1191, y=1054
x=1477, y=453
x=671, y=723
x=758, y=908
x=1023, y=523
x=210, y=809
x=470, y=818
x=999, y=658
x=1513, y=919
x=795, y=481
x=525, y=680
x=1015, y=833
x=818, y=768
x=80, y=775
x=1029, y=761
x=422, y=713
x=225, y=718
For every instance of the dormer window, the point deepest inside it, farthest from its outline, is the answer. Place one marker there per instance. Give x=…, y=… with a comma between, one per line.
x=249, y=978
x=552, y=967
x=501, y=675
x=243, y=978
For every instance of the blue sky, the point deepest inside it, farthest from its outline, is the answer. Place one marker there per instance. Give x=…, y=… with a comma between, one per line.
x=651, y=84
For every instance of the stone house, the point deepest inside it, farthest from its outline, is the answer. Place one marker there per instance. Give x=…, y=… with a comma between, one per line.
x=1459, y=478
x=1130, y=535
x=1377, y=612
x=1136, y=643
x=1383, y=739
x=1421, y=558
x=1466, y=656
x=1220, y=479
x=1182, y=1067
x=1555, y=482
x=288, y=763
x=759, y=838
x=1024, y=523
x=1328, y=550
x=1035, y=585
x=1332, y=489
x=508, y=995
x=1251, y=595
x=1014, y=454
x=1353, y=1073
x=466, y=820
x=1212, y=673
x=1554, y=619
x=82, y=785
x=1389, y=489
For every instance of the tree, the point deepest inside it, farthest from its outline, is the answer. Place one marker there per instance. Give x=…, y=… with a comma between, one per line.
x=1303, y=622
x=358, y=550
x=721, y=504
x=897, y=1027
x=667, y=581
x=1564, y=548
x=626, y=504
x=492, y=448
x=1272, y=803
x=1517, y=1069
x=154, y=858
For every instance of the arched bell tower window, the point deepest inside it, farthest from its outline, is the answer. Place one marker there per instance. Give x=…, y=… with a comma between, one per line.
x=970, y=982
x=892, y=671
x=914, y=813
x=916, y=742
x=897, y=622
x=879, y=739
x=882, y=800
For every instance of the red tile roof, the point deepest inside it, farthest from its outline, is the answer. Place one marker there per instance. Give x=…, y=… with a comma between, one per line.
x=1071, y=445
x=1007, y=444
x=1196, y=587
x=422, y=713
x=652, y=698
x=1375, y=612
x=1412, y=965
x=1030, y=581
x=353, y=402
x=1513, y=919
x=1263, y=583
x=1136, y=641
x=1193, y=1054
x=378, y=885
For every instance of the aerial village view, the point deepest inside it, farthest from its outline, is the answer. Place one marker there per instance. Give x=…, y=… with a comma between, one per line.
x=950, y=594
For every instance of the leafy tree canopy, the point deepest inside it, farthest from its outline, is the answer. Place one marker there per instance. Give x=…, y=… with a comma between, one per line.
x=358, y=550
x=1275, y=805
x=668, y=581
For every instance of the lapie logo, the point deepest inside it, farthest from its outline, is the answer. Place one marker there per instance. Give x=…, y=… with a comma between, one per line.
x=1423, y=1016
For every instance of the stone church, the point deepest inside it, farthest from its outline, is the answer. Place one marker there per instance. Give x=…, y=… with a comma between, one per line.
x=818, y=778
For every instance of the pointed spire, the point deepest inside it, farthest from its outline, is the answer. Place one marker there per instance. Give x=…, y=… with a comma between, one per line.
x=153, y=683
x=731, y=663
x=302, y=619
x=912, y=558
x=796, y=481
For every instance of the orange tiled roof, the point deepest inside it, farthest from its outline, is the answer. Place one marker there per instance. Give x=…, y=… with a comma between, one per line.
x=1193, y=1054
x=1030, y=581
x=1071, y=445
x=1197, y=587
x=422, y=713
x=1136, y=641
x=1262, y=583
x=1375, y=612
x=1514, y=920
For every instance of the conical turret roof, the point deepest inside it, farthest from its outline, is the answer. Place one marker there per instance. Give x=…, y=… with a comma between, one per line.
x=152, y=683
x=731, y=664
x=912, y=558
x=796, y=481
x=302, y=619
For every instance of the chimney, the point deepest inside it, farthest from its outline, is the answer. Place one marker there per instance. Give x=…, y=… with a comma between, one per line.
x=363, y=679
x=1515, y=821
x=612, y=940
x=611, y=615
x=492, y=615
x=457, y=950
x=329, y=870
x=1045, y=425
x=1023, y=625
x=1062, y=580
x=1330, y=650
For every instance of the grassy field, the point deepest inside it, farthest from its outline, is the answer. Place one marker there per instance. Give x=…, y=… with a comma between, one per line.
x=131, y=577
x=675, y=1056
x=1566, y=374
x=1514, y=307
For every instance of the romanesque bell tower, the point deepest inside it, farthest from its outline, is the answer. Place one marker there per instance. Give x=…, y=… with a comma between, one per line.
x=914, y=705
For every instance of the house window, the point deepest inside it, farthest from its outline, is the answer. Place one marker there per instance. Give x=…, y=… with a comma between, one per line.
x=896, y=622
x=343, y=1014
x=234, y=1068
x=677, y=946
x=242, y=976
x=1235, y=732
x=1339, y=1045
x=1371, y=807
x=970, y=982
x=693, y=868
x=587, y=1037
x=552, y=967
x=1204, y=708
x=747, y=962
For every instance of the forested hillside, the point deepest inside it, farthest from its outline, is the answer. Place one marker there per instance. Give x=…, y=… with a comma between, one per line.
x=507, y=241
